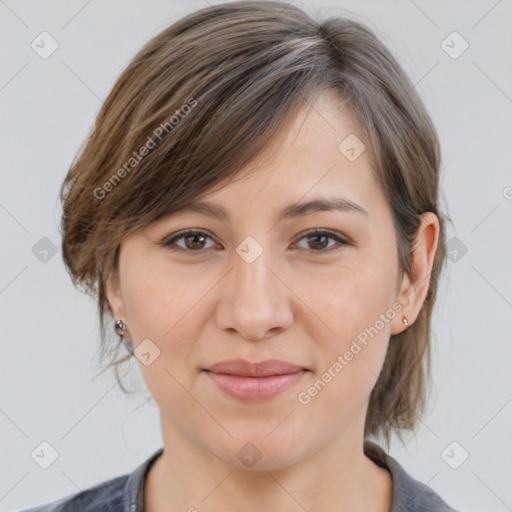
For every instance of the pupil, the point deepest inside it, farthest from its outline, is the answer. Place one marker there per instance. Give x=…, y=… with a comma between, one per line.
x=195, y=236
x=317, y=237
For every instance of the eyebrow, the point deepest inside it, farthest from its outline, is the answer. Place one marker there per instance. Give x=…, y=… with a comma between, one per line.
x=291, y=211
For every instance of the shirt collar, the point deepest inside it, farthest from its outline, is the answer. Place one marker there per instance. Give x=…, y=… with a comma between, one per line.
x=133, y=500
x=403, y=484
x=406, y=490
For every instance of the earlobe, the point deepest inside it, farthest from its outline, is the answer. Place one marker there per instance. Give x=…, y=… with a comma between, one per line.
x=415, y=287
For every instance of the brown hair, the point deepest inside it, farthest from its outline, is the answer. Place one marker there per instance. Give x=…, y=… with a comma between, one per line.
x=204, y=97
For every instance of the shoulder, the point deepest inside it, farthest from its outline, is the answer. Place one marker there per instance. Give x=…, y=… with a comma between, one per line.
x=409, y=495
x=104, y=497
x=115, y=495
x=413, y=495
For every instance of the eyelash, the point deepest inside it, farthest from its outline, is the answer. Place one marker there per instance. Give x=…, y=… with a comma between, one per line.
x=183, y=234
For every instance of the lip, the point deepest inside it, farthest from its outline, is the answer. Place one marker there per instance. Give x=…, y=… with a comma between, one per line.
x=266, y=368
x=254, y=381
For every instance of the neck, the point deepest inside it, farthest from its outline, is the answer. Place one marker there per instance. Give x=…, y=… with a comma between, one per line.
x=340, y=477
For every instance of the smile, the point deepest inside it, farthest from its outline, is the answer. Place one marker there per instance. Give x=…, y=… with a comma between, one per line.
x=257, y=381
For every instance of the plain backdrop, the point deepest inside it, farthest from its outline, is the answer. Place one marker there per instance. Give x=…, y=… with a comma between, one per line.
x=49, y=330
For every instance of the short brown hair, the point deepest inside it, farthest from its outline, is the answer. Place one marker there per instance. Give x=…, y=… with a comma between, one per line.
x=243, y=69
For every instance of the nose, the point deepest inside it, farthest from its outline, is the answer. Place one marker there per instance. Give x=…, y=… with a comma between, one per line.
x=255, y=302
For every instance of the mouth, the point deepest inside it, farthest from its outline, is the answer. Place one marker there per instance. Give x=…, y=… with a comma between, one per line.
x=254, y=381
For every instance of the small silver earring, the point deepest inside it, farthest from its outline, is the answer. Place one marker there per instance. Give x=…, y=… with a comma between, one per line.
x=404, y=320
x=120, y=328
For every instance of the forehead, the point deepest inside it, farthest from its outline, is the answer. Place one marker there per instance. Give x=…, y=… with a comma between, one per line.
x=311, y=157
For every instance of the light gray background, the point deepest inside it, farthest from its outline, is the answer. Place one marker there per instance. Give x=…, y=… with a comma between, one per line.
x=49, y=330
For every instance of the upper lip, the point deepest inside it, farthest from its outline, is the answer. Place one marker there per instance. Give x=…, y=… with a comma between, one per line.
x=244, y=368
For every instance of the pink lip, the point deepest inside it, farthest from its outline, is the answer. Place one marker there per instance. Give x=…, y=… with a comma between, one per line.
x=254, y=381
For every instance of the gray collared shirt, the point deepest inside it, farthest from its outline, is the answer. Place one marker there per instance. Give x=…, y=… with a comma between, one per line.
x=125, y=493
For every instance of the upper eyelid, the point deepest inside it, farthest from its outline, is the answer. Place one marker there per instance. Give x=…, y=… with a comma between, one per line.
x=182, y=233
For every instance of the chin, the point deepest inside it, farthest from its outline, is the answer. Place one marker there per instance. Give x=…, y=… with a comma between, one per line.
x=256, y=450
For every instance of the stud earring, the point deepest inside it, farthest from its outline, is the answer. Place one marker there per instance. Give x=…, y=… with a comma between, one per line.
x=120, y=328
x=404, y=320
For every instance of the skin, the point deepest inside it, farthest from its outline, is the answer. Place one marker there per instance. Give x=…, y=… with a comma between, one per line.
x=292, y=303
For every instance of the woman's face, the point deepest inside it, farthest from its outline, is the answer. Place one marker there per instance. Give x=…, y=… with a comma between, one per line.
x=255, y=286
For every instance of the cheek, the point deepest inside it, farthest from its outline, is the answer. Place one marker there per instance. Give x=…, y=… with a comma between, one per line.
x=354, y=305
x=159, y=301
x=166, y=306
x=350, y=298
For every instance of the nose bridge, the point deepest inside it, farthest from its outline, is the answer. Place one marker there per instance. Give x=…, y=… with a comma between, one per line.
x=257, y=301
x=251, y=267
x=253, y=280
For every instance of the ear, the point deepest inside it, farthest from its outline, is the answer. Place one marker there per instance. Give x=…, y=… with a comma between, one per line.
x=114, y=296
x=414, y=289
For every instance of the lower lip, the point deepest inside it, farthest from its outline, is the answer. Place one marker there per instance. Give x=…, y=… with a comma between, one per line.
x=255, y=388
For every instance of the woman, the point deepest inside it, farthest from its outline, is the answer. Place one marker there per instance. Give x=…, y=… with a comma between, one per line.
x=256, y=211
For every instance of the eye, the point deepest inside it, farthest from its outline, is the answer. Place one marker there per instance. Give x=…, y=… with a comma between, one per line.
x=317, y=241
x=196, y=240
x=193, y=240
